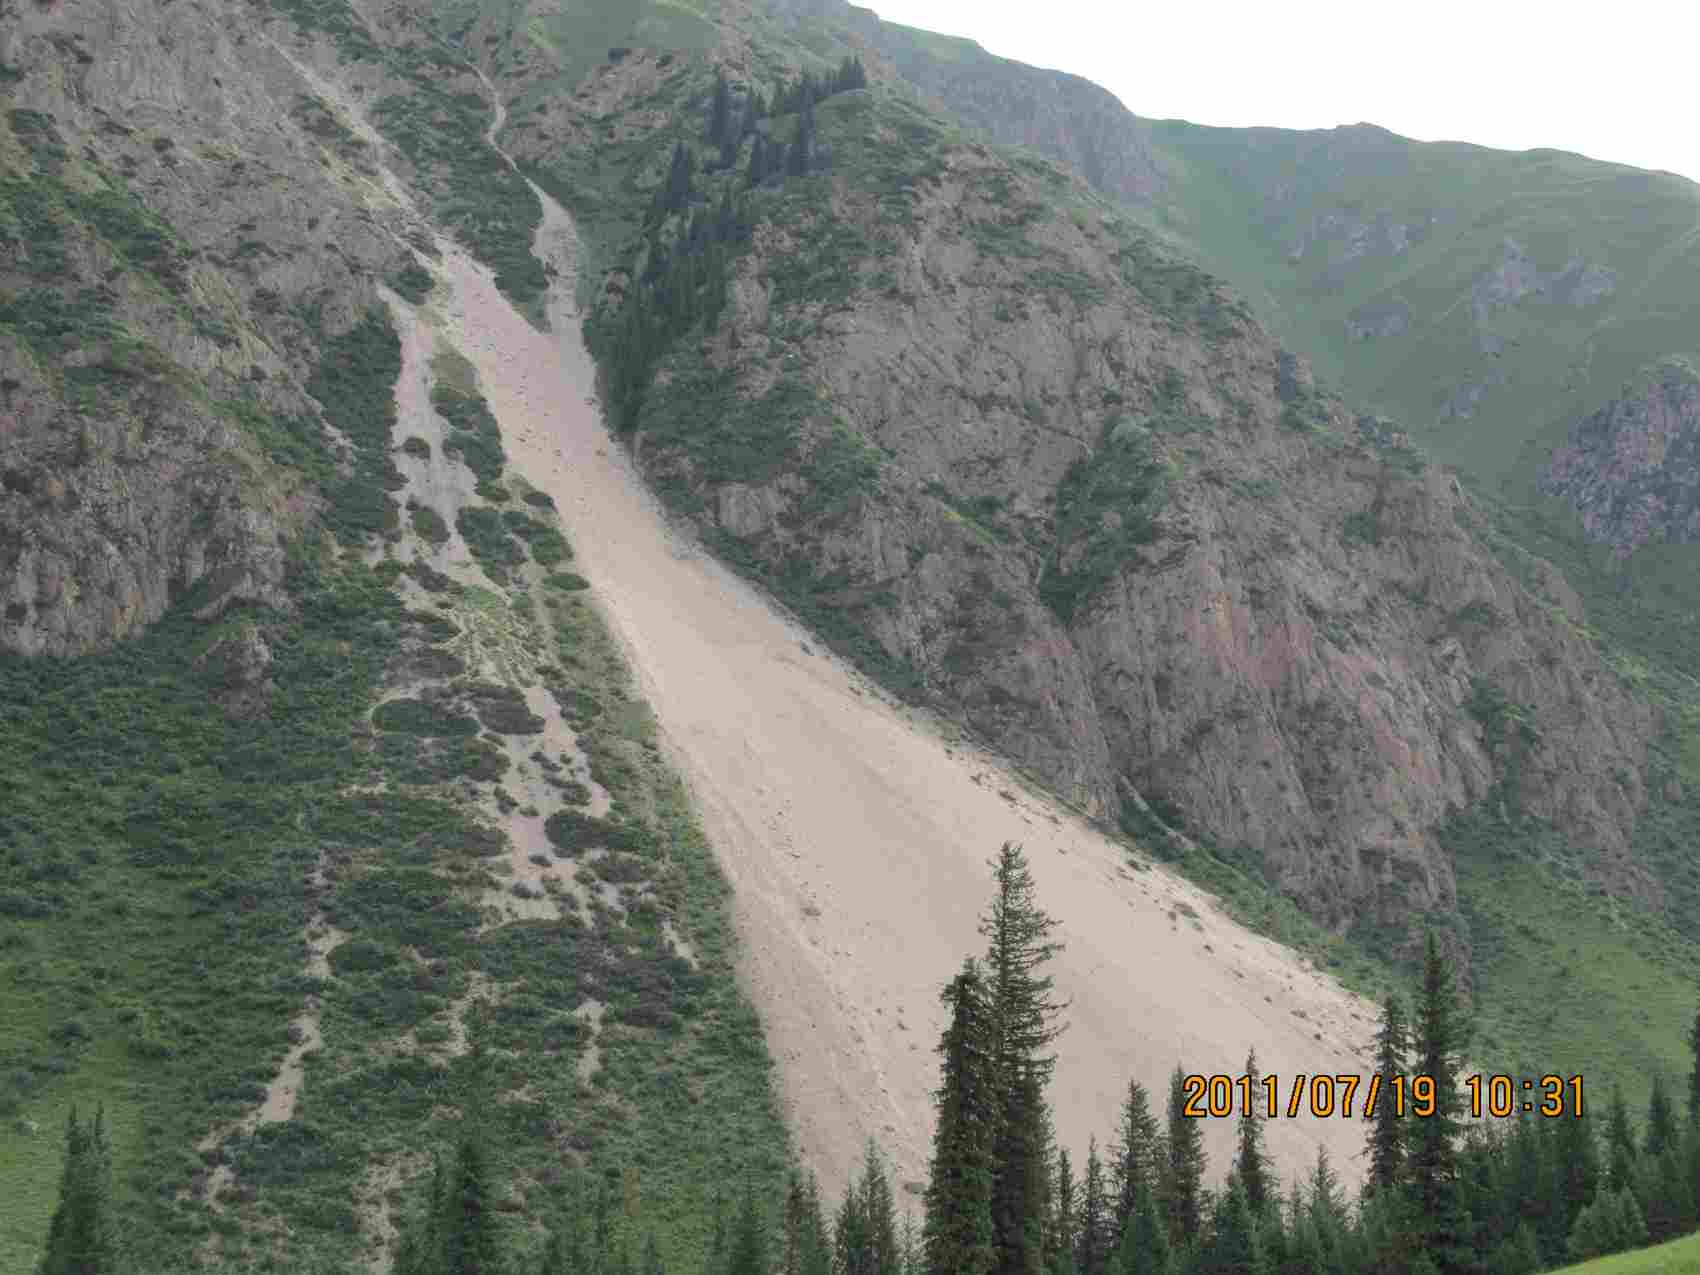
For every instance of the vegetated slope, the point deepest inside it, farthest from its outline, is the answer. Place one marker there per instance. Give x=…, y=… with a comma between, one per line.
x=345, y=771
x=1027, y=464
x=1675, y=1258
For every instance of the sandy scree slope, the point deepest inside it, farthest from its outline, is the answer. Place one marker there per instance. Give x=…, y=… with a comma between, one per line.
x=856, y=840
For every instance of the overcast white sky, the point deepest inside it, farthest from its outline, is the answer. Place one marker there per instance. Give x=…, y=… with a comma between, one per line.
x=1613, y=81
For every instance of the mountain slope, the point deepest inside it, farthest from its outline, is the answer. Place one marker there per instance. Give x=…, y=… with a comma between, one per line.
x=1027, y=464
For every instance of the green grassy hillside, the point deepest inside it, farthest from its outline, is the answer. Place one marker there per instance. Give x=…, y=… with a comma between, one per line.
x=1376, y=256
x=1679, y=1257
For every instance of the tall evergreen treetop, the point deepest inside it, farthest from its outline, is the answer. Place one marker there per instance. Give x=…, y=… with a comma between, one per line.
x=1183, y=1172
x=957, y=1232
x=1024, y=1021
x=1251, y=1162
x=1434, y=1139
x=1386, y=1137
x=81, y=1239
x=1661, y=1119
x=1018, y=934
x=1092, y=1230
x=1694, y=1073
x=1134, y=1156
x=720, y=112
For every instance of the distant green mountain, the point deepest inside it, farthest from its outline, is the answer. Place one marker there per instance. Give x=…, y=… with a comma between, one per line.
x=1489, y=299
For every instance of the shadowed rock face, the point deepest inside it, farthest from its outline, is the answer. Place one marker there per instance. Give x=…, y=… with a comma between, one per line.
x=1632, y=469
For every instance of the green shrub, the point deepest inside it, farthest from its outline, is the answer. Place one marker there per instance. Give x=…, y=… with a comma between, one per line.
x=416, y=717
x=571, y=833
x=430, y=525
x=566, y=581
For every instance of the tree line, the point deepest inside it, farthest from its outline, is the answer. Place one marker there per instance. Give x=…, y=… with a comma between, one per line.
x=699, y=218
x=1441, y=1196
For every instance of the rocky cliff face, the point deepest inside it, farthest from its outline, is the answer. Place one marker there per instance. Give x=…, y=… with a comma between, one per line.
x=1071, y=490
x=1632, y=469
x=182, y=220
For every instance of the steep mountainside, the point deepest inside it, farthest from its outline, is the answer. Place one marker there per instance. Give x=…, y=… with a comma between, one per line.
x=343, y=773
x=1030, y=465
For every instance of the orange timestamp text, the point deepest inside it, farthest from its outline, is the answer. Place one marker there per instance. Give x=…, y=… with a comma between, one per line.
x=1416, y=1097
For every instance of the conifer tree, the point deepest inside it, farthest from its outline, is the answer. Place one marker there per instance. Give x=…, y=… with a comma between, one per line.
x=853, y=1253
x=1576, y=1157
x=748, y=1252
x=80, y=1236
x=676, y=191
x=1024, y=1018
x=1519, y=1254
x=817, y=1242
x=1620, y=1142
x=1134, y=1156
x=1183, y=1176
x=881, y=1213
x=1092, y=1233
x=1694, y=1073
x=1232, y=1247
x=758, y=169
x=1251, y=1162
x=958, y=1225
x=1434, y=1139
x=652, y=1264
x=1661, y=1120
x=720, y=113
x=1386, y=1136
x=795, y=1221
x=1061, y=1248
x=1144, y=1246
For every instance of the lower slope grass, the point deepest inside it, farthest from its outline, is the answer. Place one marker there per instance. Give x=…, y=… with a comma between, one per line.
x=154, y=889
x=1568, y=980
x=1679, y=1257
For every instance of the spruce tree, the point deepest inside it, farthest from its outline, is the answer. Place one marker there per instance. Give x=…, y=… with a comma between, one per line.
x=1092, y=1243
x=748, y=1252
x=1024, y=1021
x=1661, y=1120
x=1386, y=1136
x=817, y=1242
x=1183, y=1176
x=720, y=113
x=1694, y=1073
x=1576, y=1158
x=1518, y=1255
x=1144, y=1247
x=80, y=1236
x=853, y=1253
x=791, y=1232
x=1232, y=1247
x=958, y=1225
x=881, y=1212
x=1434, y=1139
x=1061, y=1247
x=1620, y=1142
x=1134, y=1156
x=758, y=169
x=652, y=1264
x=1251, y=1162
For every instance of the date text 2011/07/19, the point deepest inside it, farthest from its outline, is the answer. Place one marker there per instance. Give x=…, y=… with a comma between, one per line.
x=1496, y=1096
